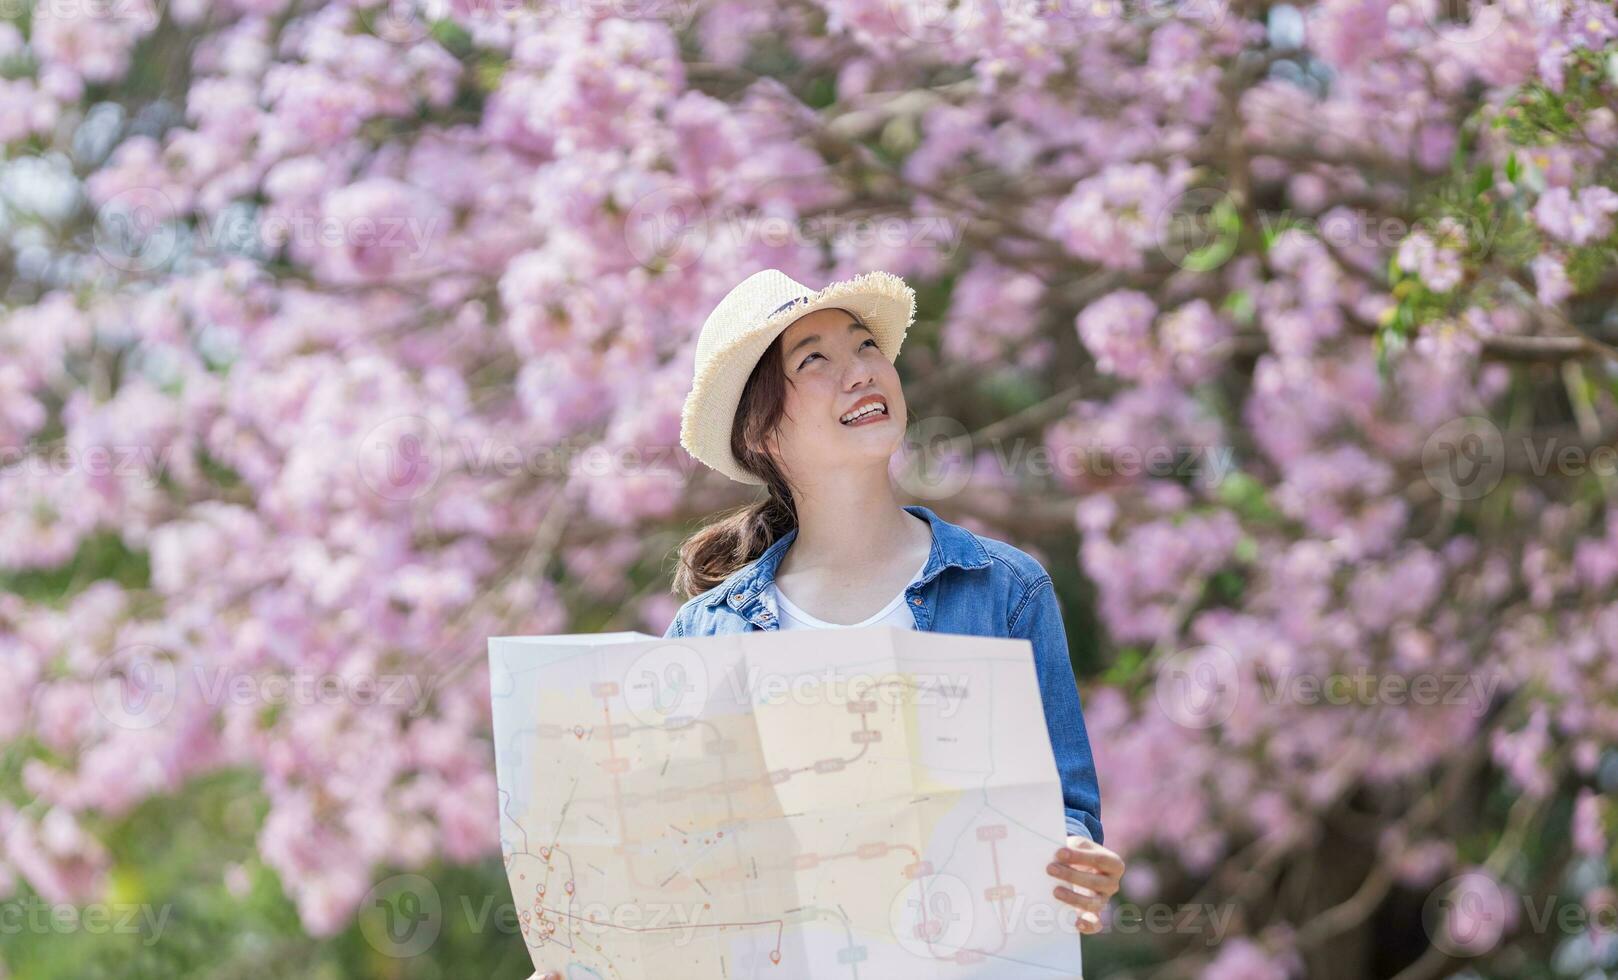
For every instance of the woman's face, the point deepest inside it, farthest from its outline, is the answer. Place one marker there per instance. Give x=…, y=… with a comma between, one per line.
x=833, y=366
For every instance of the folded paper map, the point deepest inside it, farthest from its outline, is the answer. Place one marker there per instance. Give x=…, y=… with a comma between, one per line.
x=866, y=804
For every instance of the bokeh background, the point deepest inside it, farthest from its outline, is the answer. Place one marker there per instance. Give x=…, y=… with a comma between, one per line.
x=338, y=337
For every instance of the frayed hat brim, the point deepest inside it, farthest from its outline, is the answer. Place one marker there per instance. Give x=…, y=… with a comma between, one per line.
x=729, y=348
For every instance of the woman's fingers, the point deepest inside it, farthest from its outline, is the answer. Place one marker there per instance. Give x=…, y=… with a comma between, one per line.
x=1088, y=908
x=1090, y=875
x=1097, y=884
x=1083, y=901
x=1087, y=853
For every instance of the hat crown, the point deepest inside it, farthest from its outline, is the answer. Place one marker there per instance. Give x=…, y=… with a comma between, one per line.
x=747, y=306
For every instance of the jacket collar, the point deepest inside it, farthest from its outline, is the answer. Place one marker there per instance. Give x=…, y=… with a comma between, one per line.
x=953, y=545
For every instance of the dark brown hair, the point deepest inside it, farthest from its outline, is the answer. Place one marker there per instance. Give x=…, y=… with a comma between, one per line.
x=713, y=553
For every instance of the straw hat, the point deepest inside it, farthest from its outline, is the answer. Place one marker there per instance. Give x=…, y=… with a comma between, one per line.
x=742, y=326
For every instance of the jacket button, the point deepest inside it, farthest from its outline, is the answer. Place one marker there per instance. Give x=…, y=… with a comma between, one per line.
x=916, y=600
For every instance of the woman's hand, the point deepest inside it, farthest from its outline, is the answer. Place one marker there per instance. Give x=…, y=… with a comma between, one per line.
x=1090, y=875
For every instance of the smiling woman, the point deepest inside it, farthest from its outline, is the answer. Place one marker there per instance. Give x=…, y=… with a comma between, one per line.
x=806, y=400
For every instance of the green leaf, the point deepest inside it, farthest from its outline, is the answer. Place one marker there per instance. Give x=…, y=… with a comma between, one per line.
x=1247, y=497
x=1227, y=225
x=1239, y=306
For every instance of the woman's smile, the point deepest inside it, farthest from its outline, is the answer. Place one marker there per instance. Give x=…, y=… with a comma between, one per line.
x=867, y=411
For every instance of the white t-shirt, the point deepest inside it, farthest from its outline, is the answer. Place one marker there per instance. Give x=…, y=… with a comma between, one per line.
x=895, y=613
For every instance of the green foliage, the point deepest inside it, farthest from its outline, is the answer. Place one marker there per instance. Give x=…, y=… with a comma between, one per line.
x=1500, y=234
x=168, y=913
x=1540, y=116
x=1247, y=497
x=101, y=556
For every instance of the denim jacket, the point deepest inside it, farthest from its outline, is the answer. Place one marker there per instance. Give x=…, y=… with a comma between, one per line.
x=971, y=585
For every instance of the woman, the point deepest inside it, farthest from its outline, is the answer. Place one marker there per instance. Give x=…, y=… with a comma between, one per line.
x=796, y=390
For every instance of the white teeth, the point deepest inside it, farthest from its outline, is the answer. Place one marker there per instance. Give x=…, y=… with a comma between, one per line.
x=867, y=410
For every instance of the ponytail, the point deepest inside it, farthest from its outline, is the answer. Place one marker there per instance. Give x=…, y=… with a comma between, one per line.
x=710, y=555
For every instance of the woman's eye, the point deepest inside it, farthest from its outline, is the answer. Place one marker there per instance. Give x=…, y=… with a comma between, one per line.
x=868, y=340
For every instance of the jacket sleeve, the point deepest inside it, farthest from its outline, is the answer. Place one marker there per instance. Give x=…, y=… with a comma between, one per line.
x=1037, y=617
x=677, y=625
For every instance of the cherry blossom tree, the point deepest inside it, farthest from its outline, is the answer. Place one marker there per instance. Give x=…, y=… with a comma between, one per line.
x=339, y=337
